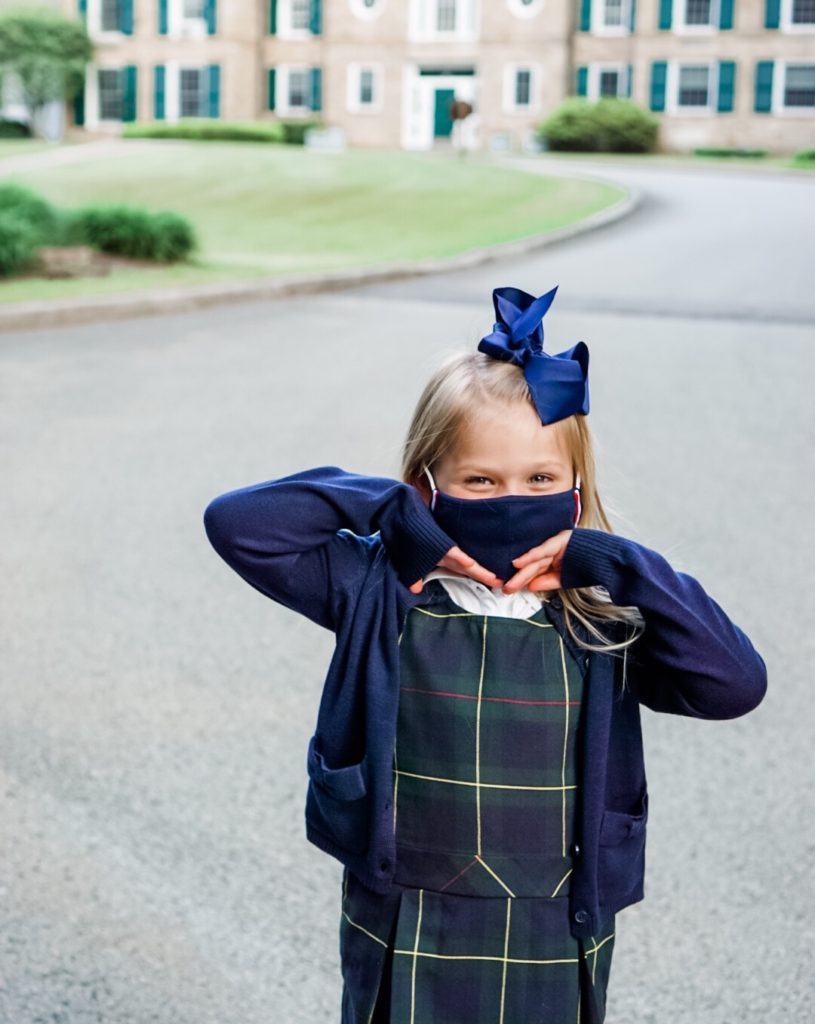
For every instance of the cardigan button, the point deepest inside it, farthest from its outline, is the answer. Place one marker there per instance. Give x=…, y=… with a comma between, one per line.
x=581, y=916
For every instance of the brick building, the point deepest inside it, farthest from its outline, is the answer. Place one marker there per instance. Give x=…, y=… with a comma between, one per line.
x=718, y=72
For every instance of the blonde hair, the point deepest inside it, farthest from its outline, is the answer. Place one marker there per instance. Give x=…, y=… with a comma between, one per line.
x=449, y=403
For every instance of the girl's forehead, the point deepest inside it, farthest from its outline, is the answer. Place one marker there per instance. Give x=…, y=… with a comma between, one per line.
x=508, y=432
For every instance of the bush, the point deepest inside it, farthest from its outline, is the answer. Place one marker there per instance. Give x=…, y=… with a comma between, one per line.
x=805, y=156
x=13, y=129
x=607, y=125
x=728, y=151
x=18, y=241
x=32, y=209
x=131, y=231
x=207, y=130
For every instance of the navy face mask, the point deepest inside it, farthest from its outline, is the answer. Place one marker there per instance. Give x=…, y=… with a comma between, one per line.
x=493, y=531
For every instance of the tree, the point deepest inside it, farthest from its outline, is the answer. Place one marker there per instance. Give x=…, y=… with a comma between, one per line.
x=47, y=52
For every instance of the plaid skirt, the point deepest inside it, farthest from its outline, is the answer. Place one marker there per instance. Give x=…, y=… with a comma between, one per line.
x=476, y=928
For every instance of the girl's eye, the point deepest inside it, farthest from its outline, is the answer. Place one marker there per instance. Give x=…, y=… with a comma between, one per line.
x=477, y=480
x=541, y=478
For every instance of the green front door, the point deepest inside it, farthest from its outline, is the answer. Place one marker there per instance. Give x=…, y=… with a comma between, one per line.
x=442, y=122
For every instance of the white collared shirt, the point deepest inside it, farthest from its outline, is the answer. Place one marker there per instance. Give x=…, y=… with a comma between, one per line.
x=473, y=596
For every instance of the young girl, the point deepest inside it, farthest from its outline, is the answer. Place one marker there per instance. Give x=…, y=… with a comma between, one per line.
x=477, y=763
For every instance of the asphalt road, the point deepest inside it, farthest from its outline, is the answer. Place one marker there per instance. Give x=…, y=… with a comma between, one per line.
x=156, y=709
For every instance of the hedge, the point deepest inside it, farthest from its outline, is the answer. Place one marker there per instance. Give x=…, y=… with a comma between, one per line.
x=132, y=231
x=18, y=241
x=607, y=125
x=207, y=130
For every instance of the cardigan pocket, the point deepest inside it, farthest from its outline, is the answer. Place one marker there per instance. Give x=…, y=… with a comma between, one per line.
x=340, y=808
x=621, y=856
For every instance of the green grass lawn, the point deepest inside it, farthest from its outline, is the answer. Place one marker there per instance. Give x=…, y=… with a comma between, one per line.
x=263, y=209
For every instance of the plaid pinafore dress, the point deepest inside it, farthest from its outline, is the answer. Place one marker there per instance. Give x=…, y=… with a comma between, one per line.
x=476, y=927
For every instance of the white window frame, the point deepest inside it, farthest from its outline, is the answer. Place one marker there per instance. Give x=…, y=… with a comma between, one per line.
x=179, y=27
x=672, y=105
x=422, y=22
x=779, y=82
x=203, y=97
x=593, y=78
x=282, y=106
x=511, y=70
x=683, y=28
x=93, y=15
x=285, y=30
x=521, y=10
x=598, y=26
x=359, y=10
x=353, y=83
x=787, y=24
x=106, y=120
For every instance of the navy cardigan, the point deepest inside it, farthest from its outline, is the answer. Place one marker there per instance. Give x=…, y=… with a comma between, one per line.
x=343, y=548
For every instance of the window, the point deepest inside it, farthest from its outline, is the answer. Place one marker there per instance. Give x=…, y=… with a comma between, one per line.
x=366, y=87
x=110, y=15
x=698, y=12
x=194, y=9
x=803, y=12
x=612, y=13
x=799, y=85
x=694, y=85
x=300, y=14
x=110, y=94
x=446, y=15
x=192, y=93
x=609, y=83
x=523, y=87
x=298, y=88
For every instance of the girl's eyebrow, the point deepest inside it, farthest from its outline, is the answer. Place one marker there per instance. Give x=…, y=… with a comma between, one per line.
x=472, y=467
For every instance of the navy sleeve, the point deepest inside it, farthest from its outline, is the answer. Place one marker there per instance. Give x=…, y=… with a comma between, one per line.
x=691, y=659
x=305, y=540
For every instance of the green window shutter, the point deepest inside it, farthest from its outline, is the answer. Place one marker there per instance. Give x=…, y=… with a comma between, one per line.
x=129, y=82
x=214, y=79
x=764, y=86
x=82, y=7
x=162, y=17
x=315, y=21
x=210, y=13
x=726, y=14
x=126, y=17
x=727, y=85
x=772, y=13
x=272, y=17
x=629, y=82
x=585, y=15
x=270, y=102
x=659, y=75
x=665, y=13
x=632, y=15
x=159, y=76
x=79, y=106
x=582, y=84
x=316, y=89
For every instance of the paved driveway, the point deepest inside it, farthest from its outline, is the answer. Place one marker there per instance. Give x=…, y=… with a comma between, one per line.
x=156, y=709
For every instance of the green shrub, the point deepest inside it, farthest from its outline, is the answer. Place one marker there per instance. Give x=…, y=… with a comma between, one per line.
x=13, y=129
x=132, y=231
x=202, y=129
x=805, y=156
x=294, y=132
x=608, y=125
x=18, y=241
x=30, y=208
x=729, y=151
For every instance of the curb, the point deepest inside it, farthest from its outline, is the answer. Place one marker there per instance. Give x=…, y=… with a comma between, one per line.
x=65, y=312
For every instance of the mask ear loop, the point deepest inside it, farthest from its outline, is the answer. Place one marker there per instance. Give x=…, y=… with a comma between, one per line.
x=578, y=504
x=434, y=489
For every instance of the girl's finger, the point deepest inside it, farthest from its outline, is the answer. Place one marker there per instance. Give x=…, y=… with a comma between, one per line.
x=523, y=576
x=416, y=588
x=457, y=559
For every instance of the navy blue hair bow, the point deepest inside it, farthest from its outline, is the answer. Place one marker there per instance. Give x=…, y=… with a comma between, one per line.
x=559, y=384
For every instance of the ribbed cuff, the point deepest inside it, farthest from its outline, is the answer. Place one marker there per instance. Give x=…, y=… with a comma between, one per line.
x=592, y=558
x=431, y=543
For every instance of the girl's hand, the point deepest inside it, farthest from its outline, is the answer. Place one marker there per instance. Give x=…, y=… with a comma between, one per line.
x=456, y=560
x=539, y=568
